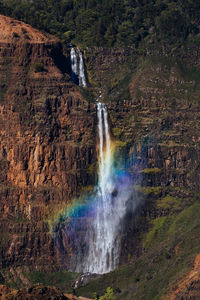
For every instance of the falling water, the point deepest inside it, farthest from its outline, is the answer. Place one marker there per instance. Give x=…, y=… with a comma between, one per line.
x=100, y=214
x=74, y=65
x=77, y=67
x=82, y=80
x=113, y=192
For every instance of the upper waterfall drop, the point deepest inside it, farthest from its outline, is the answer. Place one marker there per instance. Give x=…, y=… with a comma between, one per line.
x=74, y=65
x=77, y=67
x=82, y=80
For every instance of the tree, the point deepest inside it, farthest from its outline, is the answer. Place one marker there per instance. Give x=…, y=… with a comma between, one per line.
x=126, y=34
x=172, y=24
x=68, y=36
x=109, y=295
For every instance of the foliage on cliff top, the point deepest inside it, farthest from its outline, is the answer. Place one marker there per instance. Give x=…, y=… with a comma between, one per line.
x=108, y=23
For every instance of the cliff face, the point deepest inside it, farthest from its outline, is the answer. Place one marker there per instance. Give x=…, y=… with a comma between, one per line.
x=46, y=142
x=157, y=116
x=47, y=153
x=154, y=111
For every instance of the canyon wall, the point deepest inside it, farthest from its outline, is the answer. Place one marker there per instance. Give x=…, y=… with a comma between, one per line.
x=154, y=112
x=47, y=143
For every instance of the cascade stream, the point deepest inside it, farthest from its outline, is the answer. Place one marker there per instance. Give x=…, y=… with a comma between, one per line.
x=101, y=214
x=113, y=193
x=77, y=67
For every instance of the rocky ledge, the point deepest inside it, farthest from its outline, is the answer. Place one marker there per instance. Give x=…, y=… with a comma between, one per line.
x=37, y=291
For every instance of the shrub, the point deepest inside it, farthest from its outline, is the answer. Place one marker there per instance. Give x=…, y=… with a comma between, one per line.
x=109, y=295
x=24, y=31
x=15, y=35
x=38, y=68
x=68, y=36
x=27, y=37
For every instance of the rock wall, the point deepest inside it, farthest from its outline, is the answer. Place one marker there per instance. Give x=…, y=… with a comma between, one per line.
x=48, y=135
x=153, y=104
x=47, y=143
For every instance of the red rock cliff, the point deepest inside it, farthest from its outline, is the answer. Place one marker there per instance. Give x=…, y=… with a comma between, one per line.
x=46, y=142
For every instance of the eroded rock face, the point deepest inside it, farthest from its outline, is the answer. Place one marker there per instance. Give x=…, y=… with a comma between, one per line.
x=47, y=143
x=13, y=31
x=38, y=291
x=154, y=111
x=189, y=286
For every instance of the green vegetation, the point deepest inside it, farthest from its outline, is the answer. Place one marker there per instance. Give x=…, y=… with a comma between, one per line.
x=38, y=68
x=169, y=203
x=92, y=168
x=62, y=279
x=109, y=23
x=6, y=187
x=87, y=94
x=137, y=24
x=119, y=144
x=5, y=77
x=86, y=189
x=147, y=190
x=117, y=132
x=15, y=35
x=109, y=295
x=151, y=170
x=119, y=152
x=3, y=90
x=172, y=244
x=157, y=230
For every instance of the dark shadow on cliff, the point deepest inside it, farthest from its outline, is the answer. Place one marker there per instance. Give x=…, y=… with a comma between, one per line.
x=60, y=60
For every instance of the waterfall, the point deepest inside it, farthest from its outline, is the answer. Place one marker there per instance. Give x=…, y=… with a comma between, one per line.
x=77, y=67
x=74, y=65
x=96, y=221
x=82, y=80
x=113, y=193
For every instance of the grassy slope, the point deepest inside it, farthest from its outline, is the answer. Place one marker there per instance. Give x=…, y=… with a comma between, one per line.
x=171, y=246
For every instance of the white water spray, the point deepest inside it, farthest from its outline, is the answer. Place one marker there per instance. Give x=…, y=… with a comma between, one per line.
x=77, y=67
x=82, y=80
x=74, y=61
x=100, y=214
x=113, y=192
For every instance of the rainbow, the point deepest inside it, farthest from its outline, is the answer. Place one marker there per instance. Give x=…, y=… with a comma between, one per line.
x=81, y=206
x=97, y=214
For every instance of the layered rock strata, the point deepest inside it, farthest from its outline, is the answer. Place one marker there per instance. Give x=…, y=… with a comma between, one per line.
x=47, y=143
